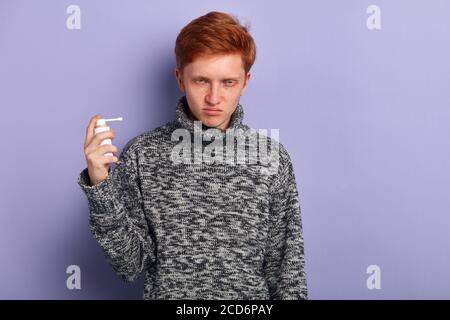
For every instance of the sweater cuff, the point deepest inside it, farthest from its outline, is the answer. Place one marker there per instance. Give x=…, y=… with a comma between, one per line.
x=101, y=197
x=99, y=191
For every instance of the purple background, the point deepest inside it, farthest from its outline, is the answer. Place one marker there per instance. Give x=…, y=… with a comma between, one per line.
x=364, y=115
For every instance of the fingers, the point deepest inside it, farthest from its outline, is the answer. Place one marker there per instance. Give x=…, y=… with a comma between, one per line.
x=101, y=150
x=106, y=148
x=109, y=159
x=97, y=157
x=97, y=140
x=90, y=129
x=99, y=161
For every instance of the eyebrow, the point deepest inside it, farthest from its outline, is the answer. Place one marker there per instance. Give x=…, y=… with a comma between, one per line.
x=206, y=78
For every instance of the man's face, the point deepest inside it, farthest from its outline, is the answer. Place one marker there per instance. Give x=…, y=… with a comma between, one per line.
x=213, y=87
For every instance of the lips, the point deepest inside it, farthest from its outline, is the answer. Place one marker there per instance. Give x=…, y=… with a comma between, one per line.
x=212, y=111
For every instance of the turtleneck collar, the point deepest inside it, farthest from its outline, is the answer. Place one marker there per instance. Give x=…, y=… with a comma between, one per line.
x=186, y=120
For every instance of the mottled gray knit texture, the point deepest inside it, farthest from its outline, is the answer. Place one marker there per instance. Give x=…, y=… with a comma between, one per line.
x=199, y=231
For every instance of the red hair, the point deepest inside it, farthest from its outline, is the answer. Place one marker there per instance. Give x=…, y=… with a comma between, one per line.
x=215, y=33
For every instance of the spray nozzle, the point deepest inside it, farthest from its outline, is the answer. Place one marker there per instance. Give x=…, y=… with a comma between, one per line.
x=102, y=122
x=115, y=119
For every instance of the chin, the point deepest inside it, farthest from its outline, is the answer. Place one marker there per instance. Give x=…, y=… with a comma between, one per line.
x=212, y=122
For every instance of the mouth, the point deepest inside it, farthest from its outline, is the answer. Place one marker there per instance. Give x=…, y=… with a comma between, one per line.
x=212, y=111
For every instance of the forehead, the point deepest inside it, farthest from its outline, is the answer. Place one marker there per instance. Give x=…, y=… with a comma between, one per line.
x=216, y=66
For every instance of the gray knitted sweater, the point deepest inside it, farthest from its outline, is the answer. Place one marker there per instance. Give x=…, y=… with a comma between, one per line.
x=200, y=230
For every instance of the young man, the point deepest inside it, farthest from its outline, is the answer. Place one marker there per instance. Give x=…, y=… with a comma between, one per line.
x=200, y=230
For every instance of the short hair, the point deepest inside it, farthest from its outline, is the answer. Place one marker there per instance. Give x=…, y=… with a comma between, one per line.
x=215, y=33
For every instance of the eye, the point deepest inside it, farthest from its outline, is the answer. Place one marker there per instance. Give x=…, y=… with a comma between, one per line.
x=230, y=83
x=199, y=81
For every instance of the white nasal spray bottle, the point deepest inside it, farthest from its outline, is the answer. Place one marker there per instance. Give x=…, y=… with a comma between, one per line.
x=102, y=127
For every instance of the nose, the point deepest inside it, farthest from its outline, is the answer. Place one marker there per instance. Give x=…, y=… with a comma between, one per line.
x=213, y=96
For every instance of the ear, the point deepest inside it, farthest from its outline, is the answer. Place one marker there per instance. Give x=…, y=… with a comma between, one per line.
x=179, y=78
x=247, y=79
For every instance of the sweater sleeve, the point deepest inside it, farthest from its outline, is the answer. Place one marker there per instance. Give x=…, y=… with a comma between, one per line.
x=117, y=218
x=284, y=262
